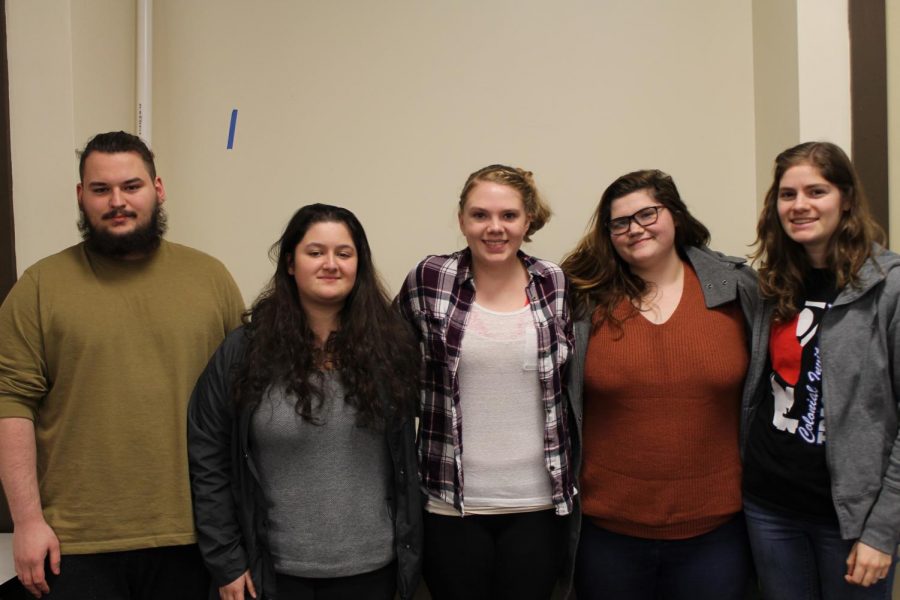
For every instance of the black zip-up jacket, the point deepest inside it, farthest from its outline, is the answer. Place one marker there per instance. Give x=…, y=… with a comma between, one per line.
x=229, y=509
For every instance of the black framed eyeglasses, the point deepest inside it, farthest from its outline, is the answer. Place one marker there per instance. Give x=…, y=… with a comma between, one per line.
x=644, y=217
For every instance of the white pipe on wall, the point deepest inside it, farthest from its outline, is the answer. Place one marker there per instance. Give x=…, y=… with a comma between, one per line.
x=144, y=71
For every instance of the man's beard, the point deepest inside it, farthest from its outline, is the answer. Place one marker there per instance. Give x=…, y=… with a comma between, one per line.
x=143, y=240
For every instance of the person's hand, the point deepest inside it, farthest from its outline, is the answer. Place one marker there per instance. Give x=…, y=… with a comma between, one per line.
x=32, y=542
x=235, y=589
x=866, y=565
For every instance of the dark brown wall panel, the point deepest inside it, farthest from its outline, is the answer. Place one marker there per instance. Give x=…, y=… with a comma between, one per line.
x=868, y=85
x=7, y=230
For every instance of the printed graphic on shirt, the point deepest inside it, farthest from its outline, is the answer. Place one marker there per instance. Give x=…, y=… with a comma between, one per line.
x=796, y=378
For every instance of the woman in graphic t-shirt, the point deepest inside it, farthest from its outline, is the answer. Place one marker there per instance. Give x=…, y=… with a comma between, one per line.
x=821, y=449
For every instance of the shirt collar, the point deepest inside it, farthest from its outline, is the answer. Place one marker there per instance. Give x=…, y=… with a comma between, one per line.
x=465, y=273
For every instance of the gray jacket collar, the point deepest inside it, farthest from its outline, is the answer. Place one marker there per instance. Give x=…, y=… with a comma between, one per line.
x=871, y=274
x=717, y=274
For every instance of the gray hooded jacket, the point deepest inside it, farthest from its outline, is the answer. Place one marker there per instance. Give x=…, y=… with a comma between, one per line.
x=860, y=347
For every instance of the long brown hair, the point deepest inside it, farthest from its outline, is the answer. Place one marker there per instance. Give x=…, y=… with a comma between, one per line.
x=373, y=349
x=783, y=263
x=600, y=278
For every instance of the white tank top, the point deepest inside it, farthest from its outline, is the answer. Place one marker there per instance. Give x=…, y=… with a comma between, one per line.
x=504, y=469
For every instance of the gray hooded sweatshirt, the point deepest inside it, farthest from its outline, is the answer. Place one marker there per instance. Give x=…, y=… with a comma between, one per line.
x=860, y=346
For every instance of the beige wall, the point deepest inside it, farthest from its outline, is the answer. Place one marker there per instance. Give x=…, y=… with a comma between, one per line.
x=823, y=58
x=389, y=119
x=103, y=59
x=386, y=107
x=776, y=90
x=802, y=77
x=41, y=126
x=893, y=73
x=71, y=74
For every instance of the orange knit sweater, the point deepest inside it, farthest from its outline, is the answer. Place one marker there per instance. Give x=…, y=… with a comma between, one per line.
x=661, y=415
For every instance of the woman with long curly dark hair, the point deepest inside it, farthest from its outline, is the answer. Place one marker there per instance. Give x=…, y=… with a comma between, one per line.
x=301, y=430
x=660, y=356
x=822, y=444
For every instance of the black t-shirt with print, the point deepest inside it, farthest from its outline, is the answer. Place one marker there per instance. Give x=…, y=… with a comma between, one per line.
x=784, y=464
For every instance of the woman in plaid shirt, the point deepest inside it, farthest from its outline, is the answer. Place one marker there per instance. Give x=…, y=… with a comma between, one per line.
x=495, y=445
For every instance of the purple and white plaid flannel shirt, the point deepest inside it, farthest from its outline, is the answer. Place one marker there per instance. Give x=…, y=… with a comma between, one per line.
x=436, y=298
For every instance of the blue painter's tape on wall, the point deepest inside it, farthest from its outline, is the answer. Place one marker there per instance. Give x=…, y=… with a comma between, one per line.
x=231, y=129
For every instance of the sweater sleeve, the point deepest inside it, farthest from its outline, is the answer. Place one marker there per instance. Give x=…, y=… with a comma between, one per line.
x=882, y=527
x=23, y=367
x=210, y=440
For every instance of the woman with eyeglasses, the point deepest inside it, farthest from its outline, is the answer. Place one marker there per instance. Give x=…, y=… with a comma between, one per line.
x=661, y=350
x=821, y=442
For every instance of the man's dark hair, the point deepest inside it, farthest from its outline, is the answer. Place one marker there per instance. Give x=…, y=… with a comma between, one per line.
x=115, y=142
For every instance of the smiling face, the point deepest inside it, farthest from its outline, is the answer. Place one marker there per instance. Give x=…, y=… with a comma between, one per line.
x=643, y=247
x=494, y=222
x=809, y=209
x=117, y=195
x=323, y=265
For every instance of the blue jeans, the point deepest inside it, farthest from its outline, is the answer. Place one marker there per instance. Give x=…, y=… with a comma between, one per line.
x=797, y=559
x=713, y=566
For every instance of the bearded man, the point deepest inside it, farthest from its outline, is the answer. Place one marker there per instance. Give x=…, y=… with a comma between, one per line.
x=100, y=347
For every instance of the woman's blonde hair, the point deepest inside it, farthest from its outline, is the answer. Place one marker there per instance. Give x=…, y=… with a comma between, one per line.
x=520, y=180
